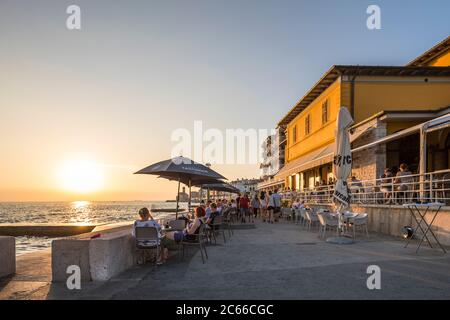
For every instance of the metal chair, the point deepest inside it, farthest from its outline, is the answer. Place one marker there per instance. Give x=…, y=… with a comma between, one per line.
x=226, y=222
x=215, y=228
x=147, y=239
x=233, y=214
x=198, y=240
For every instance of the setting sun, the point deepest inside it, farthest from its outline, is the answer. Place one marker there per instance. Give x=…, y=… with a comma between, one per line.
x=80, y=176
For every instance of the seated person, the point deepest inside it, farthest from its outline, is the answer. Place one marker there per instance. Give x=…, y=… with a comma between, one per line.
x=356, y=183
x=386, y=183
x=190, y=233
x=403, y=183
x=219, y=206
x=208, y=208
x=296, y=204
x=214, y=213
x=146, y=220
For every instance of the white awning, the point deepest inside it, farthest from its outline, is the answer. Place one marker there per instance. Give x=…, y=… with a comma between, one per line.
x=438, y=123
x=268, y=184
x=313, y=159
x=429, y=126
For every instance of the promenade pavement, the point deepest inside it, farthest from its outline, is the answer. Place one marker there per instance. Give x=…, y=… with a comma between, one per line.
x=282, y=261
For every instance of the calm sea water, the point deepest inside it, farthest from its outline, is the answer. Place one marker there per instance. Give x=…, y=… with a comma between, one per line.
x=71, y=212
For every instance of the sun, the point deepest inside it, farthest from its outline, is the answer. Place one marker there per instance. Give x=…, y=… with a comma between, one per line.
x=81, y=176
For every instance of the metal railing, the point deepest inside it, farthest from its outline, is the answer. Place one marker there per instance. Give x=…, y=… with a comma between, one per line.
x=428, y=187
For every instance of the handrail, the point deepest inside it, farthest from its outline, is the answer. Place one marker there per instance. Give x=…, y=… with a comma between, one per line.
x=427, y=187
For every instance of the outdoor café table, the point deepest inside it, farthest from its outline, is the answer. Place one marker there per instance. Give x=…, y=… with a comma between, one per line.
x=347, y=215
x=419, y=216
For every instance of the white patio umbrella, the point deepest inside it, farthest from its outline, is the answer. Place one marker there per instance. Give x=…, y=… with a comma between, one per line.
x=342, y=166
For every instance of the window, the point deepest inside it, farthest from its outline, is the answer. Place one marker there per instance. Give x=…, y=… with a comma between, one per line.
x=325, y=112
x=294, y=134
x=307, y=124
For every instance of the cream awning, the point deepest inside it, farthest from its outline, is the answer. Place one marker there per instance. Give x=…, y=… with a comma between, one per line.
x=313, y=159
x=268, y=184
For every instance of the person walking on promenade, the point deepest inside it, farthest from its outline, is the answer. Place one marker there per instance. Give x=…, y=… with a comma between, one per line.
x=255, y=206
x=263, y=206
x=238, y=206
x=274, y=206
x=244, y=205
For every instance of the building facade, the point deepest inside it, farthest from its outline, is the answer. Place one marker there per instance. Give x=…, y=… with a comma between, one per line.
x=383, y=101
x=246, y=185
x=273, y=152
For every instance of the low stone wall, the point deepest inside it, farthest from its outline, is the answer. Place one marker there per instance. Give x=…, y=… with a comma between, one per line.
x=390, y=220
x=99, y=259
x=7, y=256
x=43, y=229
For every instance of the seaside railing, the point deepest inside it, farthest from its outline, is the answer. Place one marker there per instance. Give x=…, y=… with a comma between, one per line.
x=427, y=187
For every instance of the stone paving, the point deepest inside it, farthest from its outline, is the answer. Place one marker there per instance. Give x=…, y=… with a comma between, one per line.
x=276, y=261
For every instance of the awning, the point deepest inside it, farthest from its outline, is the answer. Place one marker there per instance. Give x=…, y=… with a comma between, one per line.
x=313, y=159
x=268, y=184
x=360, y=130
x=429, y=126
x=325, y=154
x=438, y=123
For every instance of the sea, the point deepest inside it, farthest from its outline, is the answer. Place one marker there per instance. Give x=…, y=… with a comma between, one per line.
x=85, y=212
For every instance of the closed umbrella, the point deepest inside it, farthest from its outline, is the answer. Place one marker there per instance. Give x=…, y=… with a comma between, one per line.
x=342, y=166
x=183, y=170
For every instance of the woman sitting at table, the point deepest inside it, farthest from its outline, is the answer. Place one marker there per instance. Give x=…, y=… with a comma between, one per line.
x=146, y=220
x=190, y=233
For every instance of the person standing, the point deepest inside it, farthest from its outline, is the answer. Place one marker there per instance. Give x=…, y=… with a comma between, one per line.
x=255, y=206
x=274, y=205
x=238, y=206
x=263, y=206
x=244, y=205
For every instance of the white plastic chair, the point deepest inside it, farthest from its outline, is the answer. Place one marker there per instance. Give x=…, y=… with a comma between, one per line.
x=297, y=216
x=286, y=213
x=360, y=221
x=311, y=219
x=326, y=222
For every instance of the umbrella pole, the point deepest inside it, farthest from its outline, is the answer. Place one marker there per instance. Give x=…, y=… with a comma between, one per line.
x=178, y=198
x=190, y=195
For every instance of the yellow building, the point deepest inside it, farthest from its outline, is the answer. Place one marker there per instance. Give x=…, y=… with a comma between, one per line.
x=383, y=100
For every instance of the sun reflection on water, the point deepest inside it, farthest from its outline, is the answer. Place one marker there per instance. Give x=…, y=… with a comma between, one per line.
x=80, y=204
x=82, y=212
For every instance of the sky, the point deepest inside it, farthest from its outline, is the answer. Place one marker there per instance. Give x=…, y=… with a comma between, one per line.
x=101, y=102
